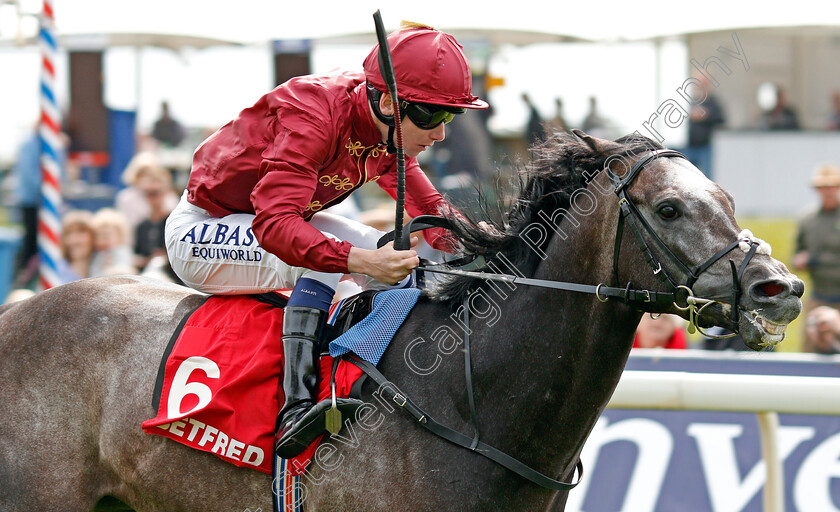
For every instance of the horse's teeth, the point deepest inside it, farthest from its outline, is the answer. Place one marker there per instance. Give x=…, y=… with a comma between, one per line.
x=770, y=327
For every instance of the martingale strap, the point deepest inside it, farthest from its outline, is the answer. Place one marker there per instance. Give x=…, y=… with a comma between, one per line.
x=456, y=437
x=470, y=443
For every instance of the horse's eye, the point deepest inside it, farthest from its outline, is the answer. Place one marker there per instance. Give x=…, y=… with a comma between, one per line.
x=668, y=212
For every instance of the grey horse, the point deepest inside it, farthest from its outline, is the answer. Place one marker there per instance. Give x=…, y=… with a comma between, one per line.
x=78, y=362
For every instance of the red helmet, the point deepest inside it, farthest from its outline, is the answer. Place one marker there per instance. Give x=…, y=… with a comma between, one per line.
x=430, y=67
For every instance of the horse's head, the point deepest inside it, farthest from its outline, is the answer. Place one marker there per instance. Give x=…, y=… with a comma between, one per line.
x=685, y=226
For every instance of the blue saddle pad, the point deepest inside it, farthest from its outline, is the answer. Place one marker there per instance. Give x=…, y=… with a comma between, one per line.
x=369, y=338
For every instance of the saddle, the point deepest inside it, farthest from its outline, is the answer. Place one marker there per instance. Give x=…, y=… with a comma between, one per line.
x=344, y=314
x=217, y=385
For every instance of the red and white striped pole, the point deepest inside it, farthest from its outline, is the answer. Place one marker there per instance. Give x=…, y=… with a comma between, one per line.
x=49, y=214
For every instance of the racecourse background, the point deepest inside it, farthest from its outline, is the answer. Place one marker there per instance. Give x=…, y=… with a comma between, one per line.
x=206, y=88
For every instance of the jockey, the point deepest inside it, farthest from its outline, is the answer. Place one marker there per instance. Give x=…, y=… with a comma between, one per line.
x=250, y=220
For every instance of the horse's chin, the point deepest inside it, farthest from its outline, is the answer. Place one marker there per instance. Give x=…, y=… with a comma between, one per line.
x=759, y=332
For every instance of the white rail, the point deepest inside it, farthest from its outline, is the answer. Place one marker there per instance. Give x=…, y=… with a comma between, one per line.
x=722, y=392
x=765, y=395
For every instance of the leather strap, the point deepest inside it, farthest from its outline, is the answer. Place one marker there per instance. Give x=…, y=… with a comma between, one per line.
x=468, y=375
x=418, y=223
x=628, y=295
x=463, y=441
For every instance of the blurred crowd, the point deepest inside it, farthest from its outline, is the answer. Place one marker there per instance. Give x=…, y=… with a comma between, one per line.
x=126, y=238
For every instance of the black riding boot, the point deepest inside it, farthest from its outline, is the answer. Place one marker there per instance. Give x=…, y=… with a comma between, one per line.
x=300, y=420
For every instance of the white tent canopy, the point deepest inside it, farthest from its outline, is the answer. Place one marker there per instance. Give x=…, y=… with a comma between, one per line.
x=260, y=20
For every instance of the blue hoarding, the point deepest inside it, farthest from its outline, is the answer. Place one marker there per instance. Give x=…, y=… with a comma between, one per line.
x=686, y=461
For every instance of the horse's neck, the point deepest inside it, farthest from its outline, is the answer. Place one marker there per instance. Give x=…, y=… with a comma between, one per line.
x=544, y=362
x=559, y=359
x=580, y=345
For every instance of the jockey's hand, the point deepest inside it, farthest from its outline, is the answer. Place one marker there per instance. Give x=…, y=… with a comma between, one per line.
x=385, y=264
x=489, y=228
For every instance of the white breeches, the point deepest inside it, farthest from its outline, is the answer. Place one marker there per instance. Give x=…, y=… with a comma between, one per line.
x=220, y=255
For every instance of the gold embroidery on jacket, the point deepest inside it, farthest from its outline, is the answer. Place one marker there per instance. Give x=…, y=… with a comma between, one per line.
x=314, y=206
x=356, y=148
x=338, y=183
x=361, y=153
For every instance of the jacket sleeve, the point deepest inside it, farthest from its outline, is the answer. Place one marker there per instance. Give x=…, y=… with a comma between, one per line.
x=421, y=198
x=287, y=180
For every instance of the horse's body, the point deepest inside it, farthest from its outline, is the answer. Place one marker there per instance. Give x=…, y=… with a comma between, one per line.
x=79, y=362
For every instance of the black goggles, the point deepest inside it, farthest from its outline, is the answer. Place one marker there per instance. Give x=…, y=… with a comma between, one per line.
x=426, y=116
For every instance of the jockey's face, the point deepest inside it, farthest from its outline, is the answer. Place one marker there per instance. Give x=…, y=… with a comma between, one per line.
x=415, y=140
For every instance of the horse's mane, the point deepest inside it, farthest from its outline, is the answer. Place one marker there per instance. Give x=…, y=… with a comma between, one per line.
x=559, y=166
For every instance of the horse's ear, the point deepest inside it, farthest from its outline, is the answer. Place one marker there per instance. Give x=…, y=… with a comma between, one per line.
x=600, y=146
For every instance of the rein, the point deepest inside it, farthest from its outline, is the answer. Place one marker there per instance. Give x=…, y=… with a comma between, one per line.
x=681, y=296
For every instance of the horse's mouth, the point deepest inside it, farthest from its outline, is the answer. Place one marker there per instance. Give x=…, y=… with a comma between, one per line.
x=770, y=332
x=757, y=331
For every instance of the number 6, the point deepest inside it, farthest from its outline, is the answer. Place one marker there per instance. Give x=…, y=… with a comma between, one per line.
x=181, y=388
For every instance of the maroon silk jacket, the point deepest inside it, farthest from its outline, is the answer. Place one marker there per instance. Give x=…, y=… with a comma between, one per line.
x=302, y=147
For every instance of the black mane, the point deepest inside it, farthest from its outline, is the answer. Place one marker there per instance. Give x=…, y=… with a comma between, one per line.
x=558, y=168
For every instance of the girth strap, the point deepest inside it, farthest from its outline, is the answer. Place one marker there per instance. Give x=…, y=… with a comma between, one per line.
x=463, y=441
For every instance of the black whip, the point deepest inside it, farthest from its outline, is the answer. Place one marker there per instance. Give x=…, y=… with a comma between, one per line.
x=386, y=67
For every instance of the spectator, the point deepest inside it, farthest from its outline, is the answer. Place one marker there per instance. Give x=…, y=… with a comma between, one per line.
x=834, y=120
x=558, y=122
x=463, y=157
x=18, y=295
x=131, y=201
x=113, y=254
x=664, y=331
x=818, y=245
x=167, y=130
x=534, y=129
x=823, y=326
x=594, y=124
x=381, y=217
x=704, y=118
x=159, y=268
x=149, y=240
x=781, y=117
x=77, y=245
x=26, y=174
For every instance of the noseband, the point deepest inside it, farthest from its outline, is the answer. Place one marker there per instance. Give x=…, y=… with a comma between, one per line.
x=680, y=296
x=684, y=298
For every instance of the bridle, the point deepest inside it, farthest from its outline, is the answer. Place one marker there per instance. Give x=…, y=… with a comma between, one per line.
x=630, y=214
x=680, y=294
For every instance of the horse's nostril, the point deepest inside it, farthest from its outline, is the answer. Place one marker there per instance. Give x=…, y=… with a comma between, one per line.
x=771, y=289
x=798, y=287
